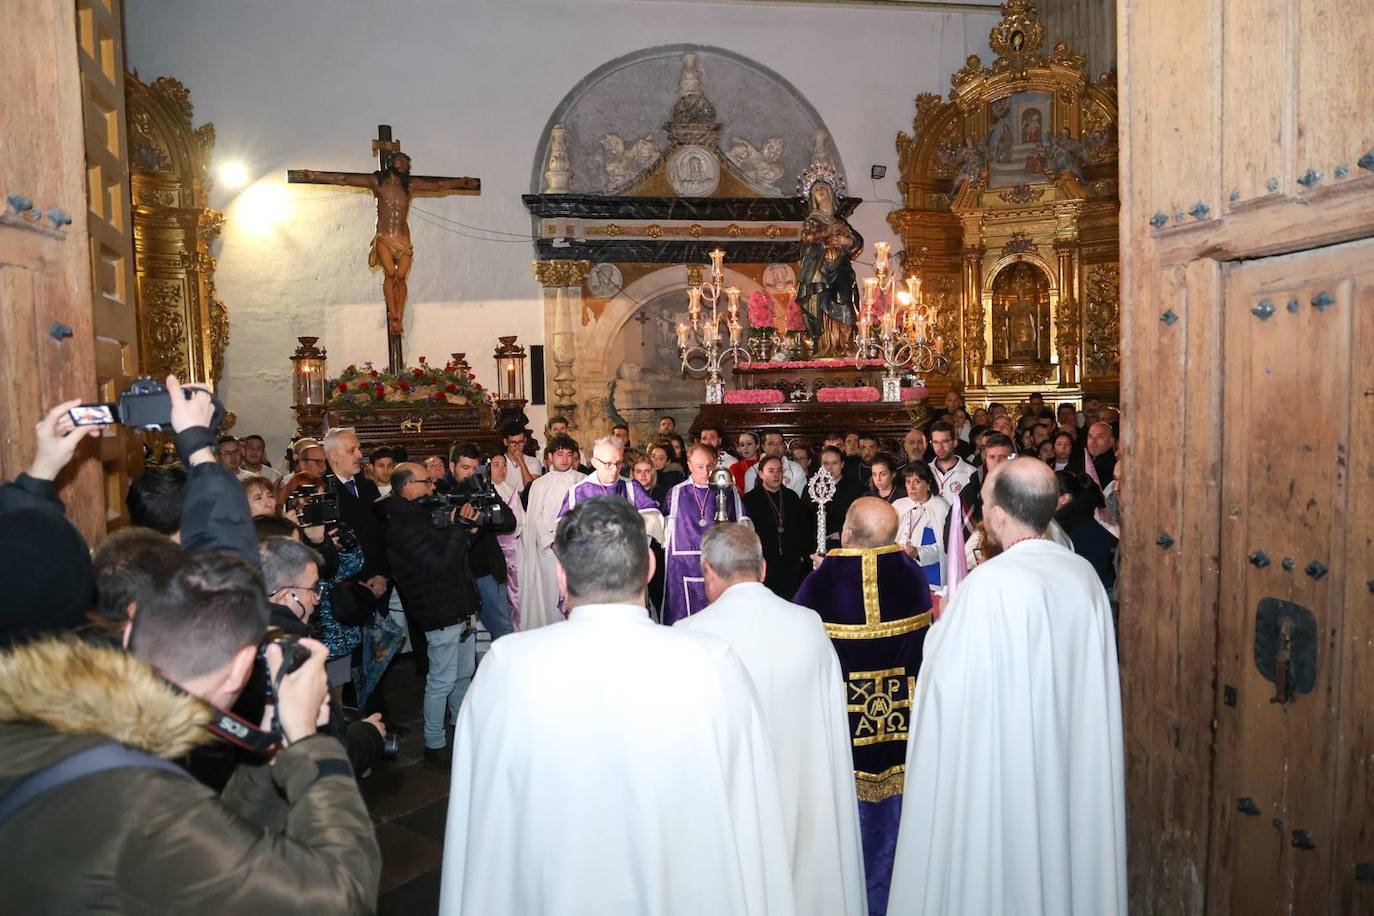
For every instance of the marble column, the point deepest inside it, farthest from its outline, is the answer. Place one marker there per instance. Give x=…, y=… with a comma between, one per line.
x=562, y=289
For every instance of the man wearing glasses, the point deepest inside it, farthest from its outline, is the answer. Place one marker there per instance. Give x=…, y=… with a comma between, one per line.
x=607, y=458
x=429, y=562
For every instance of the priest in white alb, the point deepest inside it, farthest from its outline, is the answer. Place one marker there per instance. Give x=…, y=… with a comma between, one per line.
x=610, y=765
x=801, y=688
x=539, y=603
x=1015, y=799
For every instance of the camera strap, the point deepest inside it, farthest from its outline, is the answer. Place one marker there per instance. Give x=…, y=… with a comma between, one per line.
x=189, y=441
x=242, y=733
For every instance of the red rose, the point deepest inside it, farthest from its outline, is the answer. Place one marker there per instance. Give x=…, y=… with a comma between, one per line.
x=404, y=386
x=343, y=386
x=418, y=373
x=472, y=375
x=381, y=389
x=374, y=373
x=477, y=386
x=422, y=359
x=451, y=388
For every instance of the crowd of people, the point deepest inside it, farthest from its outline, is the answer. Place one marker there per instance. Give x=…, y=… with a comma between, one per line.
x=244, y=624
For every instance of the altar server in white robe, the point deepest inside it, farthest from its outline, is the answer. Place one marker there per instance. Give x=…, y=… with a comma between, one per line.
x=1015, y=799
x=610, y=765
x=800, y=685
x=538, y=580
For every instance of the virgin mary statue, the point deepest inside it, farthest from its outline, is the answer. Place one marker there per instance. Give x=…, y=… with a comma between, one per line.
x=826, y=287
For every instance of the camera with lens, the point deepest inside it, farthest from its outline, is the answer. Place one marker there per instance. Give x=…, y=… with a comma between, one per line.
x=480, y=494
x=314, y=509
x=147, y=405
x=293, y=655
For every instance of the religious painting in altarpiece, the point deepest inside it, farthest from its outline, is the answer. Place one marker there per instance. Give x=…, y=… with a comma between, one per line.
x=1009, y=188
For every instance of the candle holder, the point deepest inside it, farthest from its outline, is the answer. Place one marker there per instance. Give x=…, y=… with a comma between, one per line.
x=702, y=344
x=307, y=373
x=510, y=382
x=900, y=340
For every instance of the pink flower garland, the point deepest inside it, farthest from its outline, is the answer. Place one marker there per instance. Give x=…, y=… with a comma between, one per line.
x=753, y=396
x=914, y=394
x=861, y=394
x=795, y=322
x=816, y=364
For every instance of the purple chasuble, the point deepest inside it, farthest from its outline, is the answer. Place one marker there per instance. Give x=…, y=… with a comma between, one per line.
x=688, y=506
x=591, y=487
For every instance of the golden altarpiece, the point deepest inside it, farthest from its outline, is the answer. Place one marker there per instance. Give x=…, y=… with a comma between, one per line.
x=1010, y=216
x=183, y=328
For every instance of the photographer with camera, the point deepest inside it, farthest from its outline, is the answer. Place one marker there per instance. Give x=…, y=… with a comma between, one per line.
x=87, y=735
x=486, y=560
x=427, y=543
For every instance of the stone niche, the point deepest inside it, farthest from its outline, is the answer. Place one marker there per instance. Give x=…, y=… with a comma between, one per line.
x=648, y=164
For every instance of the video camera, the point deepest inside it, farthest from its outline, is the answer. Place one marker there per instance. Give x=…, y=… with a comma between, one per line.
x=147, y=405
x=480, y=494
x=314, y=508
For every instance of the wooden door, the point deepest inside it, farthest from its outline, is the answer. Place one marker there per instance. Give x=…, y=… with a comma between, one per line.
x=1293, y=474
x=1247, y=136
x=45, y=274
x=100, y=57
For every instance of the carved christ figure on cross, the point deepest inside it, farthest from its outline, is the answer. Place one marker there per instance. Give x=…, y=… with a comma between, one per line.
x=393, y=186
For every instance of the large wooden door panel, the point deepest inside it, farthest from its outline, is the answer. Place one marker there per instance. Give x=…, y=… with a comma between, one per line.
x=1287, y=422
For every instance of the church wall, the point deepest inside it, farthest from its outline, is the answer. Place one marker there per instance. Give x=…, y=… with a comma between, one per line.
x=468, y=88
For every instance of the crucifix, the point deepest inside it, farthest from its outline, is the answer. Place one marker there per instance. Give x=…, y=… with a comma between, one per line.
x=393, y=186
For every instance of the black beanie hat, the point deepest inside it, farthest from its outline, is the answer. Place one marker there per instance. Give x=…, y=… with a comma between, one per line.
x=46, y=568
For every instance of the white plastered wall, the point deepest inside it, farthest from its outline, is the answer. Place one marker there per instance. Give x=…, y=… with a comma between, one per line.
x=468, y=86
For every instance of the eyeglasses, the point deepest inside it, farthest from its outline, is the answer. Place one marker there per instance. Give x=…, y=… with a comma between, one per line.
x=610, y=464
x=423, y=481
x=317, y=589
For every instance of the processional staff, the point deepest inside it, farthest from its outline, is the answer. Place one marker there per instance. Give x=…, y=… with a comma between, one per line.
x=822, y=490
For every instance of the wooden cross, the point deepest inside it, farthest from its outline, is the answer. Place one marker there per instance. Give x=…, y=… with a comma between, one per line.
x=394, y=187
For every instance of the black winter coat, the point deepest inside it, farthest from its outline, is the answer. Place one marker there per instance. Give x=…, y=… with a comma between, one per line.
x=429, y=565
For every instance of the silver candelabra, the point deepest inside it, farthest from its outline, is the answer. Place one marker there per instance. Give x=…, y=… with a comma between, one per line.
x=702, y=344
x=901, y=339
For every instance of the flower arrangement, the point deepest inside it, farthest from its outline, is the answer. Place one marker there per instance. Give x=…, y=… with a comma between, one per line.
x=361, y=389
x=760, y=310
x=821, y=364
x=753, y=396
x=916, y=393
x=862, y=394
x=795, y=322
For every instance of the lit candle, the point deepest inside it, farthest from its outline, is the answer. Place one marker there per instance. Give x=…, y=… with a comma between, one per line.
x=913, y=285
x=733, y=295
x=718, y=262
x=734, y=333
x=694, y=303
x=681, y=336
x=880, y=253
x=870, y=290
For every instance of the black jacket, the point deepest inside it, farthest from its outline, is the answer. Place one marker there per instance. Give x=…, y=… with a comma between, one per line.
x=25, y=492
x=787, y=554
x=215, y=513
x=847, y=490
x=363, y=514
x=429, y=565
x=484, y=553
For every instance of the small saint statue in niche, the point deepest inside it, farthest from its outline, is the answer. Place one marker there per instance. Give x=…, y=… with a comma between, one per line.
x=827, y=290
x=1023, y=338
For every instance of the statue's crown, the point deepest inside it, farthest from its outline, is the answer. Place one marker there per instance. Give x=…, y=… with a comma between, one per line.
x=821, y=171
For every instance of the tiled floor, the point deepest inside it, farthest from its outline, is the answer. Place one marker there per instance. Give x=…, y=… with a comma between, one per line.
x=409, y=805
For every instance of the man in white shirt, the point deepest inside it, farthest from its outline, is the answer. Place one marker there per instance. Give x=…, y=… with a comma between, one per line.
x=952, y=473
x=254, y=451
x=793, y=477
x=801, y=691
x=609, y=764
x=710, y=435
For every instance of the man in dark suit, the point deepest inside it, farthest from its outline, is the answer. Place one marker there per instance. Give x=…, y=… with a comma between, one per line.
x=786, y=526
x=361, y=511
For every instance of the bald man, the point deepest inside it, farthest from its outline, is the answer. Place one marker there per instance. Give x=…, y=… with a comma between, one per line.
x=875, y=602
x=1015, y=798
x=607, y=461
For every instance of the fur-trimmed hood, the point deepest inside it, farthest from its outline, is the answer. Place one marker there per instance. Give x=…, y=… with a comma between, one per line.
x=78, y=688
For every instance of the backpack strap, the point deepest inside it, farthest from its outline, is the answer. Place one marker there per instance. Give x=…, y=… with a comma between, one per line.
x=97, y=759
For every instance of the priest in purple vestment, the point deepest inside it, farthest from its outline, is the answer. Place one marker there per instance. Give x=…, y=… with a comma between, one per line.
x=691, y=509
x=607, y=458
x=875, y=602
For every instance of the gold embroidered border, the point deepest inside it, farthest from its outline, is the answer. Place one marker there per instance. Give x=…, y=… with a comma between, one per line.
x=878, y=787
x=880, y=630
x=868, y=556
